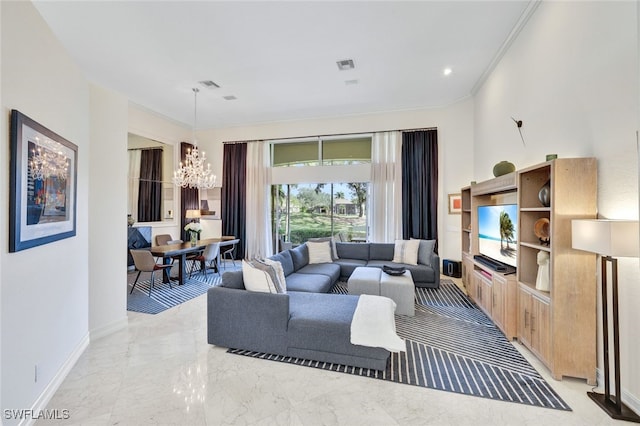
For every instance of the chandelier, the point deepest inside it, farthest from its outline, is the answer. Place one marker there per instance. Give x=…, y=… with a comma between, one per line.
x=46, y=163
x=192, y=173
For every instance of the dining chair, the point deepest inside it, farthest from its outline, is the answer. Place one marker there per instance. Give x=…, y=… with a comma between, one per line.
x=163, y=239
x=144, y=262
x=228, y=250
x=210, y=255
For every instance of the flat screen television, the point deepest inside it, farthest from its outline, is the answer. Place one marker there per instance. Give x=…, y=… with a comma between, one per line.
x=498, y=232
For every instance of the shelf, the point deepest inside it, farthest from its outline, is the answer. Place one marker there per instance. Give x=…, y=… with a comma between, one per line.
x=535, y=246
x=535, y=209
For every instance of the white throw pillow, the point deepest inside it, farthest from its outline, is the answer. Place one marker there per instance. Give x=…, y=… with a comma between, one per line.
x=406, y=251
x=256, y=279
x=319, y=252
x=281, y=281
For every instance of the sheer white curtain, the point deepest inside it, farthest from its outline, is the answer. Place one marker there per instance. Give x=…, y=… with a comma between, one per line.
x=134, y=183
x=386, y=187
x=258, y=217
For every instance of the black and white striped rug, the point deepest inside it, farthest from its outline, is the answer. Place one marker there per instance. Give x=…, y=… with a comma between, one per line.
x=452, y=346
x=163, y=297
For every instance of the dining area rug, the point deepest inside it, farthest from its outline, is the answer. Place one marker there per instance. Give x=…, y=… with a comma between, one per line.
x=162, y=296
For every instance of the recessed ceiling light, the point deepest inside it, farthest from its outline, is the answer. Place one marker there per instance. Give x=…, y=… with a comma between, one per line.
x=345, y=64
x=230, y=97
x=447, y=71
x=209, y=84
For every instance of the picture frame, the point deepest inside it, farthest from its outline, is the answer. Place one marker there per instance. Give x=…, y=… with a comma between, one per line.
x=43, y=185
x=455, y=203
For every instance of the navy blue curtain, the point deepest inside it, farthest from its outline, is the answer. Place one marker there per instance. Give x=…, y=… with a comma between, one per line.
x=189, y=197
x=234, y=194
x=150, y=186
x=420, y=184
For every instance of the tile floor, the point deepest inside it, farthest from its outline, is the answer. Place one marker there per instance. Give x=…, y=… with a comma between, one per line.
x=161, y=371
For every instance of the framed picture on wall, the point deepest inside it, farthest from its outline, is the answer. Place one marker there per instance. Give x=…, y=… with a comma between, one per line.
x=455, y=204
x=42, y=193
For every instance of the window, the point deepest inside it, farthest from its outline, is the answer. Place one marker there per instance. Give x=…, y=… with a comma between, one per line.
x=325, y=151
x=304, y=211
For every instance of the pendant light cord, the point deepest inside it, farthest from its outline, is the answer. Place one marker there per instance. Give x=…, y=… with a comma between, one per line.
x=195, y=114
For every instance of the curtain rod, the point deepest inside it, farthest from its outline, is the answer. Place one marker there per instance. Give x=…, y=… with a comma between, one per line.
x=335, y=134
x=144, y=149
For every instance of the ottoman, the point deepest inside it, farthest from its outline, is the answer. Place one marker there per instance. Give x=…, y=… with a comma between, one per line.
x=365, y=280
x=400, y=289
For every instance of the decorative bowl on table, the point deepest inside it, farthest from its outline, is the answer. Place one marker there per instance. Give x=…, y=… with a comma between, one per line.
x=394, y=270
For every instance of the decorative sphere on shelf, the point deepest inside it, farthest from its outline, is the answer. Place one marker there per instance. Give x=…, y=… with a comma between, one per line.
x=503, y=168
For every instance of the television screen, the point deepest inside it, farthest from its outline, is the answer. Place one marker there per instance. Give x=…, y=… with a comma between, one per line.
x=498, y=232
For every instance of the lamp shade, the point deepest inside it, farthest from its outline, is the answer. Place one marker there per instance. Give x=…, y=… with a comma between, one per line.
x=193, y=214
x=617, y=238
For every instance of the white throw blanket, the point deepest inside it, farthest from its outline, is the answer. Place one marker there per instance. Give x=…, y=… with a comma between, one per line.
x=374, y=324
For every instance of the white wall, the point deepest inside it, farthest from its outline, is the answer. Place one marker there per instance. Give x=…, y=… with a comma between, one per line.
x=44, y=304
x=107, y=212
x=455, y=149
x=572, y=78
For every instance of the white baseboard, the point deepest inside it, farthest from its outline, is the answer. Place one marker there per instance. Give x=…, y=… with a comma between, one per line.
x=108, y=329
x=54, y=384
x=628, y=398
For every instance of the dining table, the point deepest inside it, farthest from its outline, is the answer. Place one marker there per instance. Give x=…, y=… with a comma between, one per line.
x=180, y=251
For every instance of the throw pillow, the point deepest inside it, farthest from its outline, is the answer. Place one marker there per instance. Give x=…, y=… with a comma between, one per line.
x=280, y=281
x=406, y=251
x=332, y=241
x=319, y=252
x=256, y=279
x=425, y=250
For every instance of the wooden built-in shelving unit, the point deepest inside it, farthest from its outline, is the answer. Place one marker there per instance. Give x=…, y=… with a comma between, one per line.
x=559, y=325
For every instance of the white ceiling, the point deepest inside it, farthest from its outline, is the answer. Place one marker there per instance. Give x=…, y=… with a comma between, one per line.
x=279, y=58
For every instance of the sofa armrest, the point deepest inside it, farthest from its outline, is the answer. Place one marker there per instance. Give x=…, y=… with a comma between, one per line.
x=435, y=264
x=243, y=319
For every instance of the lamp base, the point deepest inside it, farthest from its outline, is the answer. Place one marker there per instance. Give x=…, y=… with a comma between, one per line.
x=609, y=407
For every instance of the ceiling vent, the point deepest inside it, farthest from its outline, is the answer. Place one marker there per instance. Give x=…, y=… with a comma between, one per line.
x=345, y=64
x=230, y=97
x=209, y=84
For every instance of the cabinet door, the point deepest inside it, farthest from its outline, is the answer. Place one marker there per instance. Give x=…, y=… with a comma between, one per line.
x=540, y=331
x=487, y=291
x=476, y=290
x=524, y=314
x=498, y=305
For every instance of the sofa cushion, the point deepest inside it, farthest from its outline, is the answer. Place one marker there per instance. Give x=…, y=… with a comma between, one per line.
x=381, y=251
x=280, y=280
x=257, y=279
x=332, y=270
x=319, y=252
x=425, y=250
x=332, y=241
x=419, y=273
x=285, y=259
x=347, y=266
x=312, y=283
x=322, y=322
x=233, y=279
x=300, y=256
x=353, y=251
x=406, y=251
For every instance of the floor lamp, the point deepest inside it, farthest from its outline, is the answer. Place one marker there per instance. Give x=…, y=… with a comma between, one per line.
x=610, y=239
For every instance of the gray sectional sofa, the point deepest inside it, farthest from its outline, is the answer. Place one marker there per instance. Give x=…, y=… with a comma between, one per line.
x=307, y=325
x=425, y=274
x=305, y=322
